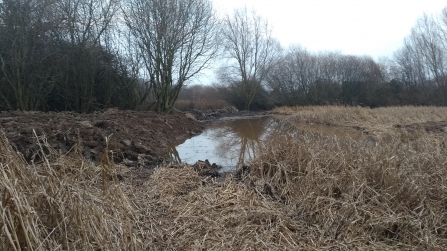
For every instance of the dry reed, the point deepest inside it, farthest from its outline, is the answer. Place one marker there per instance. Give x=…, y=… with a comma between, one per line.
x=58, y=204
x=308, y=192
x=376, y=121
x=389, y=196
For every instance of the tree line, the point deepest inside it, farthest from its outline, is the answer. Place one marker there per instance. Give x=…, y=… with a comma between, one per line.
x=87, y=55
x=415, y=75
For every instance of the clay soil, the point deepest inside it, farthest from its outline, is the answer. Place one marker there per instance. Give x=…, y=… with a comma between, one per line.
x=137, y=139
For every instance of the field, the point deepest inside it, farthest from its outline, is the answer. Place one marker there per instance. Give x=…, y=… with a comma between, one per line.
x=305, y=191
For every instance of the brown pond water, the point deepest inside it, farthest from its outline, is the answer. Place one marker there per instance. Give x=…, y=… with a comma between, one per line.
x=232, y=142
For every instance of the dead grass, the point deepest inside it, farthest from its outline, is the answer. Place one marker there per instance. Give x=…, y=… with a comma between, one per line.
x=376, y=121
x=308, y=192
x=60, y=203
x=356, y=197
x=305, y=191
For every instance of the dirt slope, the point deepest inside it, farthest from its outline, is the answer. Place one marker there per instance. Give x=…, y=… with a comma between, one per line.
x=138, y=138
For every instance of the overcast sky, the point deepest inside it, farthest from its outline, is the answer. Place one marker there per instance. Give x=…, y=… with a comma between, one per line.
x=359, y=27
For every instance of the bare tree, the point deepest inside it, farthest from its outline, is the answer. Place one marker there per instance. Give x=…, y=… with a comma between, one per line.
x=409, y=66
x=82, y=35
x=423, y=58
x=69, y=55
x=24, y=78
x=443, y=28
x=251, y=51
x=293, y=75
x=176, y=38
x=303, y=78
x=427, y=40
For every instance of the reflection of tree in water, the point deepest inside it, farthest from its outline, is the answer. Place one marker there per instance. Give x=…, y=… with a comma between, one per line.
x=239, y=139
x=279, y=126
x=173, y=153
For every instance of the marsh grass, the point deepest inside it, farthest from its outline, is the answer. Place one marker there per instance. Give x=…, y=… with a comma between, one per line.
x=59, y=204
x=308, y=191
x=305, y=191
x=391, y=195
x=376, y=121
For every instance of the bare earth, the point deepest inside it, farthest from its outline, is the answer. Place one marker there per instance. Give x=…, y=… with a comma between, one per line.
x=138, y=139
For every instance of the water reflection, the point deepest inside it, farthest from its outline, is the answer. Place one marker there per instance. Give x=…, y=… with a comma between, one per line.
x=229, y=143
x=239, y=139
x=234, y=141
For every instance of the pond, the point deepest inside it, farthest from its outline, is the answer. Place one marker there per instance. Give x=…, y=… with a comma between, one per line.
x=232, y=142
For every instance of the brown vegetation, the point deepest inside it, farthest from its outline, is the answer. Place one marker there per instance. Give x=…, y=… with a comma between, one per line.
x=60, y=204
x=355, y=196
x=376, y=121
x=305, y=191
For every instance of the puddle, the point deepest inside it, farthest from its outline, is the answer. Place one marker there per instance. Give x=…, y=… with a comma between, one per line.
x=230, y=142
x=233, y=141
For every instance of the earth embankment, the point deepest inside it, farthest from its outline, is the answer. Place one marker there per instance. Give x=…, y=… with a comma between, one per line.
x=136, y=138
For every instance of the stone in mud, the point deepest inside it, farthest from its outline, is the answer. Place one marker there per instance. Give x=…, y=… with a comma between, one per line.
x=127, y=142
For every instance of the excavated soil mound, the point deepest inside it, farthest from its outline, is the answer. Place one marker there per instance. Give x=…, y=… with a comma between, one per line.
x=137, y=139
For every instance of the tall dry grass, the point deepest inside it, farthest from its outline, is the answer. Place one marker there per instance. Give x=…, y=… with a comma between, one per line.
x=378, y=120
x=306, y=192
x=350, y=196
x=60, y=203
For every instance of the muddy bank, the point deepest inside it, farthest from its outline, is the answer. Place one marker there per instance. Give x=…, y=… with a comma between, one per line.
x=138, y=139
